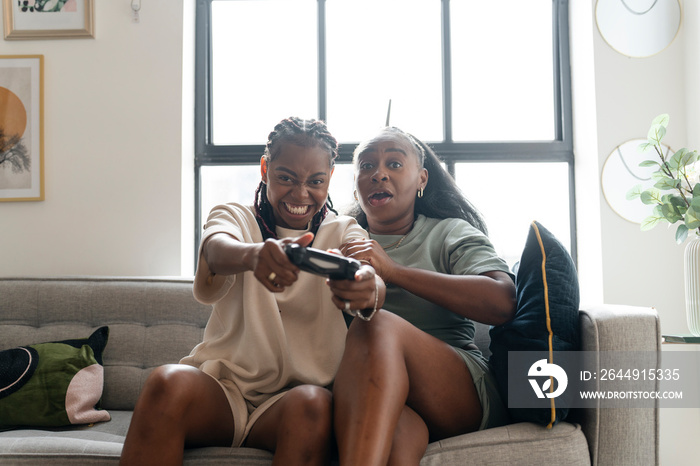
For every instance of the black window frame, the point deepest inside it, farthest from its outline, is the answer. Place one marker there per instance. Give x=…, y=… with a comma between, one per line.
x=558, y=150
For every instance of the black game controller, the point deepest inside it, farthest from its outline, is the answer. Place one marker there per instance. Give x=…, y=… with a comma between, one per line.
x=323, y=263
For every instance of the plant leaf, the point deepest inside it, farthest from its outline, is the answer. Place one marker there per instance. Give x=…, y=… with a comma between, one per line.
x=650, y=163
x=682, y=158
x=651, y=196
x=645, y=146
x=670, y=212
x=678, y=202
x=667, y=183
x=658, y=175
x=695, y=204
x=656, y=134
x=691, y=218
x=690, y=157
x=661, y=120
x=650, y=222
x=634, y=193
x=681, y=233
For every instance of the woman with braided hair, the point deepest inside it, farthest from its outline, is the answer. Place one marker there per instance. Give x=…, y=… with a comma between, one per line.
x=275, y=337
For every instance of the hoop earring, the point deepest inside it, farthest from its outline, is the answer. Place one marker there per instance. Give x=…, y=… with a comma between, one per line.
x=354, y=193
x=420, y=192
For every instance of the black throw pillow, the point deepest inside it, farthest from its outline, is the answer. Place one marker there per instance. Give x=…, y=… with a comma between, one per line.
x=547, y=290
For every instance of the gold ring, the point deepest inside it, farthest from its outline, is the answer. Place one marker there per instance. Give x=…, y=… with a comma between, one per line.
x=272, y=276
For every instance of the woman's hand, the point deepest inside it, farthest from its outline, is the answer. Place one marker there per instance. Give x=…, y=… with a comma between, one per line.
x=272, y=267
x=366, y=291
x=370, y=252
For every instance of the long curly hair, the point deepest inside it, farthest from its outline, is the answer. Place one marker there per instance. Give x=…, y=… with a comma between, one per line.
x=304, y=133
x=441, y=199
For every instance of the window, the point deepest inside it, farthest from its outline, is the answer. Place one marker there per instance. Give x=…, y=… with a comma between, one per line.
x=486, y=84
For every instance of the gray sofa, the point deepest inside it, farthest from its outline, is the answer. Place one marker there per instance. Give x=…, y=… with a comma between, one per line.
x=154, y=321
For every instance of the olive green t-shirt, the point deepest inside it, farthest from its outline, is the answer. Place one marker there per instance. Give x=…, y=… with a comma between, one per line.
x=451, y=246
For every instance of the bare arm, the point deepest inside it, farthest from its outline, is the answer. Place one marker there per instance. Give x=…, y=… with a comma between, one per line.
x=226, y=255
x=488, y=298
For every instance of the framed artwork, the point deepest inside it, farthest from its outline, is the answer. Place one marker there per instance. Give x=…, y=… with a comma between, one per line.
x=21, y=127
x=48, y=19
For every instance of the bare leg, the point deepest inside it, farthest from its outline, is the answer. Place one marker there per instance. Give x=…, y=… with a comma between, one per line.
x=179, y=406
x=298, y=427
x=410, y=440
x=366, y=414
x=388, y=364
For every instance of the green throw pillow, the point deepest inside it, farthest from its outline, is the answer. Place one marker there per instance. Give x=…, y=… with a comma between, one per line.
x=53, y=384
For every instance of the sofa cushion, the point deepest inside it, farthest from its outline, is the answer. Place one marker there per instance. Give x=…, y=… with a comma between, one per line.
x=546, y=317
x=523, y=444
x=53, y=384
x=101, y=444
x=138, y=311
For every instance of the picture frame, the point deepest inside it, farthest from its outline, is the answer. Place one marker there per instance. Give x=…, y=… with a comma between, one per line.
x=23, y=19
x=21, y=128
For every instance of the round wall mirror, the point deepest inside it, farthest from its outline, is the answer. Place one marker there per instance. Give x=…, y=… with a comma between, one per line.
x=638, y=28
x=621, y=172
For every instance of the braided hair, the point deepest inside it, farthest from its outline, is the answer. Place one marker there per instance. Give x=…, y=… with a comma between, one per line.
x=441, y=199
x=304, y=133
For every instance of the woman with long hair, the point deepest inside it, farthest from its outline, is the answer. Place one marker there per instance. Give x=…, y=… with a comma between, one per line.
x=413, y=374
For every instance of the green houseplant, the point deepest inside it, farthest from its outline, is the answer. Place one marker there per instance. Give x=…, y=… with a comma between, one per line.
x=675, y=194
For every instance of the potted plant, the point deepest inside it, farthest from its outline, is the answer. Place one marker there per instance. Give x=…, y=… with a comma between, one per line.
x=675, y=196
x=676, y=192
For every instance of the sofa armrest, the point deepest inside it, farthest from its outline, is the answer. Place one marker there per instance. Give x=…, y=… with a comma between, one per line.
x=621, y=436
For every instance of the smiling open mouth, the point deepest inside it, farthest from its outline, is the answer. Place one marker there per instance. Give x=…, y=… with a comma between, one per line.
x=297, y=209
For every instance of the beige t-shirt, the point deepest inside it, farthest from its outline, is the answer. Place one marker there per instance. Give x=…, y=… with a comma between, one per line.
x=258, y=344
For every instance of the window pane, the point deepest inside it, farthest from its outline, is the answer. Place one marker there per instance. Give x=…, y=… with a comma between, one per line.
x=510, y=199
x=228, y=183
x=380, y=50
x=502, y=70
x=264, y=67
x=342, y=187
x=237, y=183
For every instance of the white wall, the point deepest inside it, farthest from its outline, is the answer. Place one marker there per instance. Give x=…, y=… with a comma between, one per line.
x=113, y=150
x=590, y=258
x=641, y=268
x=646, y=268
